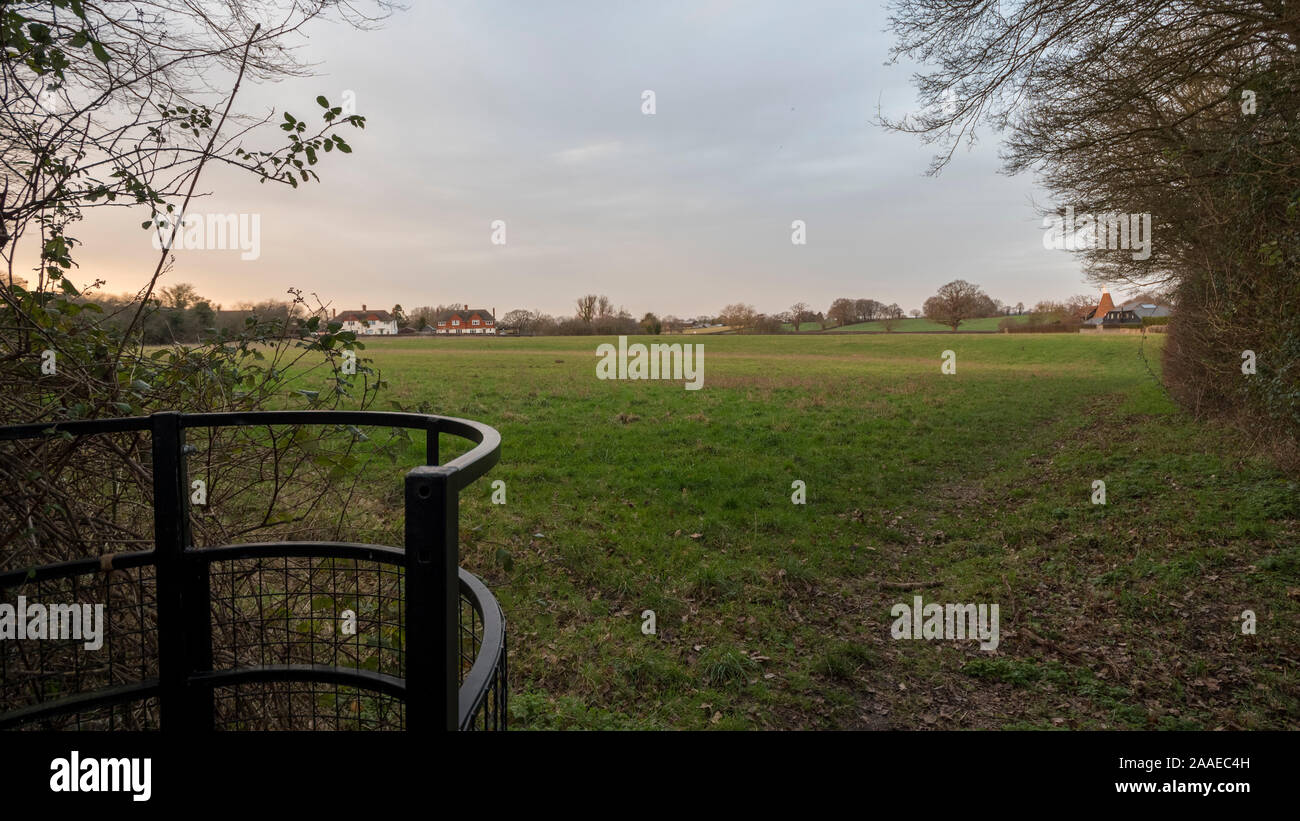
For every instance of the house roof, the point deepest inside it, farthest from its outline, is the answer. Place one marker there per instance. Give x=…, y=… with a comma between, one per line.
x=1121, y=316
x=1105, y=306
x=363, y=316
x=465, y=312
x=1146, y=308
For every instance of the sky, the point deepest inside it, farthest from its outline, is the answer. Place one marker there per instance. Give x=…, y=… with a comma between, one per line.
x=532, y=114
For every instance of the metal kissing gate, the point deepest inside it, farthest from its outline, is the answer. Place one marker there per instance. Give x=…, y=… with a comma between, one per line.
x=200, y=639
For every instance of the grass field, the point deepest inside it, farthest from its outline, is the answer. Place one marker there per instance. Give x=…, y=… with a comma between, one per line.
x=631, y=496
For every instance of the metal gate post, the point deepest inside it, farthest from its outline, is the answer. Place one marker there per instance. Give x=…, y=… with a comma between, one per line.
x=169, y=544
x=432, y=650
x=184, y=628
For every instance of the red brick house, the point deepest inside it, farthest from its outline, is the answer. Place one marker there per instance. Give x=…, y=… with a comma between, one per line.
x=467, y=320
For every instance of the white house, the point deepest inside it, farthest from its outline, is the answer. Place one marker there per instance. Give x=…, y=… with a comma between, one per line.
x=367, y=322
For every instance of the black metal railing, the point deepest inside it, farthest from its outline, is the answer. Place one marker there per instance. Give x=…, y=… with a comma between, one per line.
x=445, y=670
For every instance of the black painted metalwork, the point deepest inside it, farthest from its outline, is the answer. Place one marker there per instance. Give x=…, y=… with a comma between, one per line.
x=452, y=662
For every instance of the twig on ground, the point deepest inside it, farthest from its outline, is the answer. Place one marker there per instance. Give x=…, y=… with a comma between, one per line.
x=884, y=585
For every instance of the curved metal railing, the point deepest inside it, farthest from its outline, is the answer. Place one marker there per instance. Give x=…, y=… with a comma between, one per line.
x=454, y=650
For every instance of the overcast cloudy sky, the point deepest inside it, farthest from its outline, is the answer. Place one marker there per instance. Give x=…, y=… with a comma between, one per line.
x=531, y=113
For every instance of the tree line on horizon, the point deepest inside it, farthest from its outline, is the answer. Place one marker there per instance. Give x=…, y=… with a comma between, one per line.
x=180, y=314
x=953, y=304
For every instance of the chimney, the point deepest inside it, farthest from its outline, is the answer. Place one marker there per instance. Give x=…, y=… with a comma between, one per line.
x=333, y=313
x=363, y=306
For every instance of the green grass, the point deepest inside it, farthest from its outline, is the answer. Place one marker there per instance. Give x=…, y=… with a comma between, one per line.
x=770, y=614
x=803, y=326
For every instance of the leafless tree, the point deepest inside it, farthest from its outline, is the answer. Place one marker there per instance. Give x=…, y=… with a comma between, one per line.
x=1080, y=304
x=739, y=316
x=520, y=320
x=800, y=313
x=955, y=302
x=587, y=307
x=842, y=312
x=179, y=295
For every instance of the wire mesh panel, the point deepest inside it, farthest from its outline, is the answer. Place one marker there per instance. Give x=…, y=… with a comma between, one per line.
x=133, y=716
x=490, y=713
x=483, y=654
x=269, y=635
x=78, y=634
x=305, y=610
x=292, y=705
